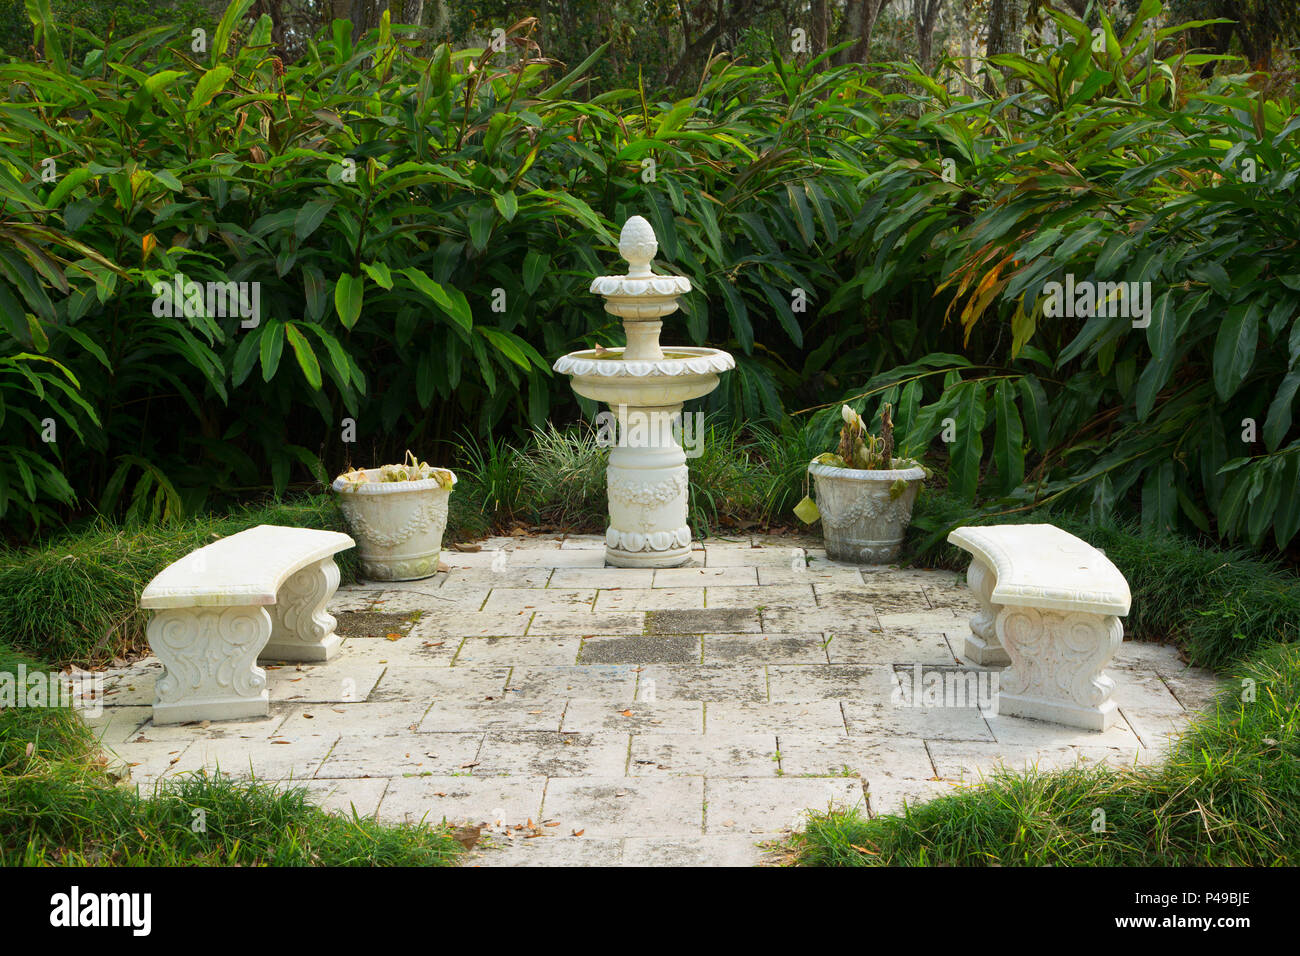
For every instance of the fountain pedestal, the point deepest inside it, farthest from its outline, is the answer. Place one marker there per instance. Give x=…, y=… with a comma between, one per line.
x=645, y=387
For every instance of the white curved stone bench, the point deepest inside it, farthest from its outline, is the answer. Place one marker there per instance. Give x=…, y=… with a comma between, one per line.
x=261, y=592
x=1051, y=609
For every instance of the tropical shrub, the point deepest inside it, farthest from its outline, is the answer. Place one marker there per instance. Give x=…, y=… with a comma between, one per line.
x=1114, y=167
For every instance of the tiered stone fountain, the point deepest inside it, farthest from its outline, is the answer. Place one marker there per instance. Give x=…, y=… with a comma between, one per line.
x=645, y=387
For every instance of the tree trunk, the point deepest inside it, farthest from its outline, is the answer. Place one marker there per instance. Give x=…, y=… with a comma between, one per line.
x=850, y=29
x=412, y=12
x=925, y=17
x=365, y=17
x=820, y=27
x=1006, y=26
x=871, y=13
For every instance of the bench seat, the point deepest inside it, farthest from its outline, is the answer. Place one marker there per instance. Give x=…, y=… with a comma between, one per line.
x=1050, y=608
x=260, y=593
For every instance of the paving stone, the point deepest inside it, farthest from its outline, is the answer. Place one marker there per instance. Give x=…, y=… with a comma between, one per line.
x=510, y=575
x=954, y=594
x=941, y=621
x=115, y=725
x=706, y=621
x=1021, y=731
x=887, y=600
x=705, y=577
x=551, y=850
x=889, y=795
x=460, y=716
x=637, y=717
x=338, y=680
x=830, y=578
x=724, y=849
x=382, y=719
x=441, y=683
x=518, y=650
x=352, y=599
x=764, y=649
x=602, y=577
x=969, y=761
x=1145, y=656
x=783, y=620
x=766, y=596
x=930, y=723
x=758, y=805
x=585, y=623
x=568, y=558
x=442, y=624
x=510, y=600
x=406, y=650
x=731, y=716
x=641, y=649
x=650, y=599
x=616, y=682
x=701, y=682
x=278, y=759
x=751, y=557
x=889, y=646
x=711, y=755
x=1194, y=688
x=131, y=688
x=433, y=601
x=871, y=758
x=483, y=559
x=1149, y=707
x=258, y=728
x=345, y=796
x=406, y=754
x=622, y=806
x=462, y=799
x=147, y=762
x=553, y=754
x=594, y=541
x=527, y=543
x=797, y=682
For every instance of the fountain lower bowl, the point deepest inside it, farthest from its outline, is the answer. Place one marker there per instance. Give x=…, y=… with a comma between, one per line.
x=682, y=374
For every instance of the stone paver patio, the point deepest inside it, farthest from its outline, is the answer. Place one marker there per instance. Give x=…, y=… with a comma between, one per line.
x=670, y=717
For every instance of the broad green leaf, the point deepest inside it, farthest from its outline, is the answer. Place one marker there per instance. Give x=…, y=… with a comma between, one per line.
x=1234, y=349
x=306, y=357
x=349, y=291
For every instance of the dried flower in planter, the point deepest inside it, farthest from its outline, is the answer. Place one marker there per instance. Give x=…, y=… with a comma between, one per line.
x=866, y=492
x=411, y=469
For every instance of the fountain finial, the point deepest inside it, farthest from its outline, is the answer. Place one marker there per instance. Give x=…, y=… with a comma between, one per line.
x=638, y=245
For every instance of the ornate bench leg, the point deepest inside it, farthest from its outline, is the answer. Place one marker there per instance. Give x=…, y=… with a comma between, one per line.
x=302, y=630
x=211, y=658
x=1056, y=666
x=982, y=644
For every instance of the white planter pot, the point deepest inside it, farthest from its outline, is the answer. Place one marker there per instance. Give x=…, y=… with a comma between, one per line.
x=863, y=513
x=397, y=525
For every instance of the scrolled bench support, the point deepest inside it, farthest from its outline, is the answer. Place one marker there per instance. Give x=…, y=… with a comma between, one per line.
x=210, y=655
x=301, y=629
x=982, y=644
x=1057, y=660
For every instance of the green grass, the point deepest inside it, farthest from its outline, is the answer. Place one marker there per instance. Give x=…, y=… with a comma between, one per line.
x=1218, y=604
x=1228, y=795
x=58, y=806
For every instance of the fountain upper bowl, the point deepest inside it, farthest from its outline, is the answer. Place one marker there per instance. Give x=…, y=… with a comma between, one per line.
x=682, y=374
